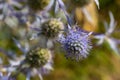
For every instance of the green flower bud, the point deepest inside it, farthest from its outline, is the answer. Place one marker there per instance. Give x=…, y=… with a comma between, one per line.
x=38, y=4
x=52, y=28
x=38, y=57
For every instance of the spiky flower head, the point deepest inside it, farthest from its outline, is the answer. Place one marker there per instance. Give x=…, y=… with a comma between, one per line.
x=52, y=28
x=37, y=57
x=76, y=44
x=37, y=4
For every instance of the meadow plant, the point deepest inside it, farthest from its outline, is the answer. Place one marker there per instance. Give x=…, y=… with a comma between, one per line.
x=36, y=27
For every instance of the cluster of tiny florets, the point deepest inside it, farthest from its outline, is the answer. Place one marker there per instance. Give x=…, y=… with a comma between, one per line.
x=38, y=57
x=76, y=43
x=52, y=28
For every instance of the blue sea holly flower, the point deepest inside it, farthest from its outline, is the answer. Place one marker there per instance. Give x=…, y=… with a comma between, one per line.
x=76, y=43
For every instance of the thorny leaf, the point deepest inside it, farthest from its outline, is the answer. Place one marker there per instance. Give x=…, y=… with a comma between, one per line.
x=107, y=35
x=113, y=45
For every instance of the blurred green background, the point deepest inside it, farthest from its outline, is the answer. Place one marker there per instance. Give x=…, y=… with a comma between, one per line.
x=101, y=64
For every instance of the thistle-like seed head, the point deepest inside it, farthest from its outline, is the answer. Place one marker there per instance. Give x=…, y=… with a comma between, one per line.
x=37, y=57
x=52, y=28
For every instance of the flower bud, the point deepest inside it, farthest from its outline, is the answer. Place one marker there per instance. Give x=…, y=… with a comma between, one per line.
x=38, y=57
x=52, y=28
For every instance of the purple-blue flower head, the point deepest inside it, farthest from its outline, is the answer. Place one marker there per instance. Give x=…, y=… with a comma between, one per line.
x=76, y=43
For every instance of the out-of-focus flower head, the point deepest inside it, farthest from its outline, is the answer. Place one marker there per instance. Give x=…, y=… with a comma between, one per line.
x=51, y=28
x=33, y=61
x=39, y=61
x=47, y=32
x=38, y=57
x=76, y=43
